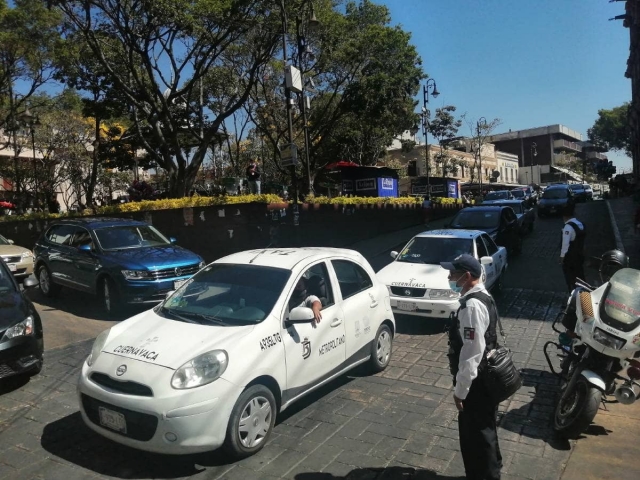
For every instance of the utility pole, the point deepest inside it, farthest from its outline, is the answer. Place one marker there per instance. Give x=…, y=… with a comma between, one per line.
x=534, y=153
x=482, y=121
x=289, y=106
x=431, y=83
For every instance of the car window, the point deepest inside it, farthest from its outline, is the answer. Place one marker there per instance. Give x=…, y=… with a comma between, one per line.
x=433, y=250
x=497, y=196
x=556, y=193
x=352, y=278
x=61, y=234
x=81, y=237
x=482, y=250
x=472, y=219
x=4, y=241
x=517, y=193
x=509, y=215
x=234, y=294
x=316, y=282
x=492, y=248
x=130, y=236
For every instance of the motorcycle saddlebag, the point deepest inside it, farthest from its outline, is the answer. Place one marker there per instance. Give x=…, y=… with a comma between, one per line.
x=502, y=378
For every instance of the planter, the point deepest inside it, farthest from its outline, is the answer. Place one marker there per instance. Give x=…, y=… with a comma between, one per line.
x=316, y=206
x=305, y=207
x=277, y=206
x=336, y=206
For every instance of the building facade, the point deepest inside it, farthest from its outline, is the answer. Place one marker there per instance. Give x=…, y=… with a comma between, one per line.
x=507, y=166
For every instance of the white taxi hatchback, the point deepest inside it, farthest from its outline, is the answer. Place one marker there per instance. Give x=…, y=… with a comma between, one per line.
x=216, y=361
x=419, y=286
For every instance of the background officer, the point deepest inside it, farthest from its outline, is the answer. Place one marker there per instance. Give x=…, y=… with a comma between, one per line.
x=572, y=249
x=471, y=336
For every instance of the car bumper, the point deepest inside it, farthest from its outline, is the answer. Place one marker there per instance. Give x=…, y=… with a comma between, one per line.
x=550, y=209
x=21, y=269
x=423, y=307
x=180, y=422
x=140, y=292
x=20, y=355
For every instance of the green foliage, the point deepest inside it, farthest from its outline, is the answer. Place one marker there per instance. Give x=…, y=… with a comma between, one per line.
x=611, y=130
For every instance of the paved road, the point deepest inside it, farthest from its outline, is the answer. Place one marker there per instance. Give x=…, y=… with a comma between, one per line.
x=399, y=424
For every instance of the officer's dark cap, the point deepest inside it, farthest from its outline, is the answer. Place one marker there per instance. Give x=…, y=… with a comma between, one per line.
x=464, y=263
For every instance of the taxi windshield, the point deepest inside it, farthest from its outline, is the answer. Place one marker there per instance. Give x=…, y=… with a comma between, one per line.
x=470, y=218
x=622, y=303
x=228, y=294
x=433, y=250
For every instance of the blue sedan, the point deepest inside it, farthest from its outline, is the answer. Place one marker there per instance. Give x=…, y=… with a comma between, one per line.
x=122, y=261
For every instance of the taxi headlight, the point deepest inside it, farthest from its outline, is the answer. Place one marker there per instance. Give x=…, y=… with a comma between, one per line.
x=443, y=294
x=27, y=255
x=200, y=370
x=98, y=344
x=21, y=329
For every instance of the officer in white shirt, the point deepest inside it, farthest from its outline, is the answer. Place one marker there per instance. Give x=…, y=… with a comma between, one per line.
x=572, y=248
x=471, y=335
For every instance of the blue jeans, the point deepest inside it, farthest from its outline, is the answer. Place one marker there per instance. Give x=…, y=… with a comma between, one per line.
x=254, y=186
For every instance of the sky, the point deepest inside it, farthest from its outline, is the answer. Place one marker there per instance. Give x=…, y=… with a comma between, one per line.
x=530, y=63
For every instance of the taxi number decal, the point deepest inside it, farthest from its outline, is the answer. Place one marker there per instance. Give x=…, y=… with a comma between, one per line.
x=136, y=352
x=327, y=347
x=270, y=341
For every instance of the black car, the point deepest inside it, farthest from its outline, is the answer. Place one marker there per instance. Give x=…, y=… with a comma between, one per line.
x=525, y=214
x=579, y=191
x=21, y=339
x=501, y=223
x=554, y=199
x=497, y=196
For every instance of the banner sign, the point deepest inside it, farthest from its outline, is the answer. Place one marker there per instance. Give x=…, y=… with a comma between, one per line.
x=365, y=184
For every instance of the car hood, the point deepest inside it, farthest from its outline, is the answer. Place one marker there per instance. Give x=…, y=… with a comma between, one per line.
x=13, y=309
x=12, y=250
x=415, y=275
x=151, y=338
x=169, y=256
x=548, y=202
x=493, y=202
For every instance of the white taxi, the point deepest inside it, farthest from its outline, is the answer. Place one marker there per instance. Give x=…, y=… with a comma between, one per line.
x=216, y=361
x=419, y=286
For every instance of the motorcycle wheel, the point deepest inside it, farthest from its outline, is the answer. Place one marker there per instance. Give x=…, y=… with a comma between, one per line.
x=574, y=415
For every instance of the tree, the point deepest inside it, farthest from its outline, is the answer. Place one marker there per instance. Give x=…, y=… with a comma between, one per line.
x=611, y=130
x=444, y=128
x=172, y=59
x=365, y=75
x=481, y=130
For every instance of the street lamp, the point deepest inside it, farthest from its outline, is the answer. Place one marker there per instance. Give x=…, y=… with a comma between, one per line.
x=481, y=123
x=30, y=120
x=431, y=84
x=304, y=49
x=534, y=153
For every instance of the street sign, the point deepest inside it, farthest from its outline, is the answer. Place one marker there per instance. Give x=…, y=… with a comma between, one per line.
x=289, y=155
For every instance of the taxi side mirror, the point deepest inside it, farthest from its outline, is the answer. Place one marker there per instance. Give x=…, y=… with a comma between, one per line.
x=11, y=242
x=394, y=254
x=300, y=315
x=486, y=260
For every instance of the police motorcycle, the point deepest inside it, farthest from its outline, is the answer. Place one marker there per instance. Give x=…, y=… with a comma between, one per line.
x=600, y=348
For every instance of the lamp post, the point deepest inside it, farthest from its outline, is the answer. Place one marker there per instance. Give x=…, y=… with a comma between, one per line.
x=482, y=122
x=304, y=49
x=31, y=121
x=431, y=84
x=534, y=153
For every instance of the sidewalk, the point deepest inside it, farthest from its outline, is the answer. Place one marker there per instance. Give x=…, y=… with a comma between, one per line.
x=610, y=448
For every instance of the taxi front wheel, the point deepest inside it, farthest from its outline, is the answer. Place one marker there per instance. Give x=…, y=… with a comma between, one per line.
x=251, y=422
x=381, y=349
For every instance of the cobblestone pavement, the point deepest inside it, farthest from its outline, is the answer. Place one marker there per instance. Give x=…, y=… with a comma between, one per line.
x=399, y=424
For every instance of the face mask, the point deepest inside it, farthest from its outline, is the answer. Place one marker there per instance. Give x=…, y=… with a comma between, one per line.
x=454, y=286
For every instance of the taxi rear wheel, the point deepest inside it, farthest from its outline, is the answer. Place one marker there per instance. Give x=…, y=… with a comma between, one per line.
x=251, y=422
x=381, y=349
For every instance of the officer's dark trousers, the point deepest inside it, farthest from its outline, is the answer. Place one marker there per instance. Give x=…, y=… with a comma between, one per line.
x=573, y=268
x=478, y=436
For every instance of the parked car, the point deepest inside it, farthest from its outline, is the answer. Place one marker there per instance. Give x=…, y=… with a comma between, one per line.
x=21, y=336
x=554, y=199
x=579, y=192
x=216, y=362
x=497, y=196
x=588, y=191
x=526, y=215
x=501, y=223
x=419, y=286
x=122, y=261
x=19, y=260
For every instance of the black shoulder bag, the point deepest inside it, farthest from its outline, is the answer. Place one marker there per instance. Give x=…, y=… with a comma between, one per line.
x=502, y=378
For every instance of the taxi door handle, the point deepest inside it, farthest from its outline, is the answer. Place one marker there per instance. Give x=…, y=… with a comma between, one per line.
x=373, y=304
x=336, y=322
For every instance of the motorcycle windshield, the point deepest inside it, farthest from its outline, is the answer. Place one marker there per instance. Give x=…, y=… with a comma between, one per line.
x=621, y=301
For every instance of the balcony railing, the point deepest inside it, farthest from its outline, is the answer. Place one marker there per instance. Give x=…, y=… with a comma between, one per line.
x=596, y=156
x=566, y=145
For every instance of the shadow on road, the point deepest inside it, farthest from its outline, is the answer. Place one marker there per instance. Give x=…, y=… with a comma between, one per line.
x=408, y=325
x=389, y=473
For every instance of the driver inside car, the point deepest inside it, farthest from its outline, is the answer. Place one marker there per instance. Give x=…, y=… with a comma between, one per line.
x=301, y=298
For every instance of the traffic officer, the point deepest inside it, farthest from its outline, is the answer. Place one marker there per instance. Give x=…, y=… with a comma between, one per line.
x=572, y=248
x=471, y=335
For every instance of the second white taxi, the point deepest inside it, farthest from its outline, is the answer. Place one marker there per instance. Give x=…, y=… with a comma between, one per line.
x=419, y=286
x=216, y=361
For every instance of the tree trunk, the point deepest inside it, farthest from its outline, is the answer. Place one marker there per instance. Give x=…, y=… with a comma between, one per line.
x=93, y=176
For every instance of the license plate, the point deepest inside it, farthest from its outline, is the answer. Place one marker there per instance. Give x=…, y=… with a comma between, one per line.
x=178, y=283
x=407, y=306
x=12, y=267
x=113, y=420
